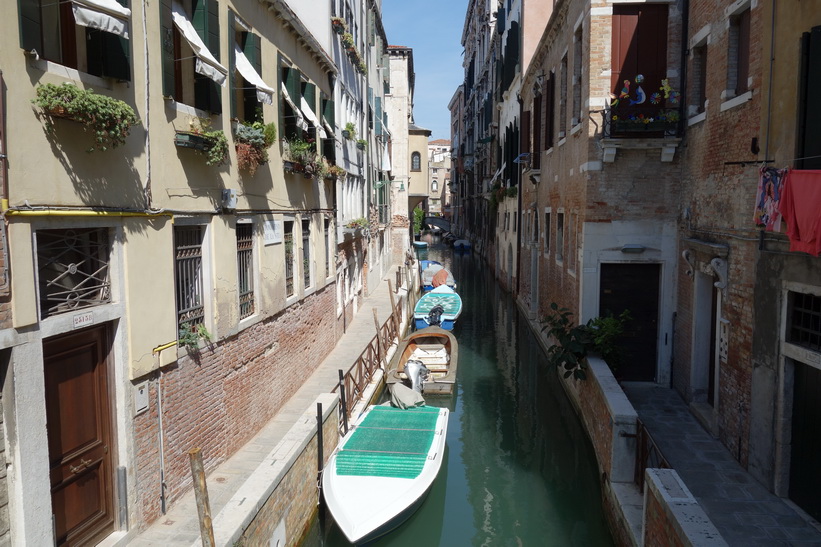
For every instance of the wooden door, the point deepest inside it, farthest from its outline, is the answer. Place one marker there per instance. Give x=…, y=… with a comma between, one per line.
x=634, y=287
x=79, y=436
x=805, y=474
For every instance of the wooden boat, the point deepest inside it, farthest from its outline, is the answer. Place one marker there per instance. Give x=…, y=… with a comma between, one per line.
x=435, y=348
x=430, y=280
x=420, y=244
x=443, y=300
x=383, y=468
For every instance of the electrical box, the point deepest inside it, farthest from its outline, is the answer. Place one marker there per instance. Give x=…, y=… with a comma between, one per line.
x=229, y=199
x=140, y=398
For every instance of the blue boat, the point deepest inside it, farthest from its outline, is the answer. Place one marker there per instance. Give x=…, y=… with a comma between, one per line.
x=439, y=308
x=420, y=244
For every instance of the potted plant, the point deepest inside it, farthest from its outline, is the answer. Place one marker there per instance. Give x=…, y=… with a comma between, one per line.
x=252, y=141
x=109, y=118
x=362, y=144
x=190, y=335
x=356, y=227
x=337, y=172
x=347, y=41
x=338, y=25
x=299, y=156
x=212, y=144
x=350, y=131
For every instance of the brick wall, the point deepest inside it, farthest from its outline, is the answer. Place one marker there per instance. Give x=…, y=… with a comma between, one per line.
x=219, y=400
x=658, y=528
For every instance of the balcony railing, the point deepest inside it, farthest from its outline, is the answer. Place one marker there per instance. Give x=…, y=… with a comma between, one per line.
x=640, y=122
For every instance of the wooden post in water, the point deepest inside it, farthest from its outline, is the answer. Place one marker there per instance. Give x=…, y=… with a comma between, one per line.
x=201, y=495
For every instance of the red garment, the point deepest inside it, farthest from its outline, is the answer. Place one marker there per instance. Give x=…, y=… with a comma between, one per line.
x=801, y=208
x=440, y=278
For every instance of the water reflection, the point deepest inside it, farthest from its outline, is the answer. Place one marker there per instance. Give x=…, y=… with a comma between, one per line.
x=519, y=468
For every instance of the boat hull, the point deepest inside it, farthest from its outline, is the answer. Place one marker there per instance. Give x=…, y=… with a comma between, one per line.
x=444, y=296
x=367, y=506
x=437, y=349
x=446, y=324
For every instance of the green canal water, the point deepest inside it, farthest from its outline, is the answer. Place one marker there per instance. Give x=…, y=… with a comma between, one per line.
x=519, y=468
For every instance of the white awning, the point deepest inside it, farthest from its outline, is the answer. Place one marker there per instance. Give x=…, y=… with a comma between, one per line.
x=106, y=15
x=499, y=172
x=386, y=158
x=300, y=120
x=206, y=64
x=306, y=109
x=265, y=93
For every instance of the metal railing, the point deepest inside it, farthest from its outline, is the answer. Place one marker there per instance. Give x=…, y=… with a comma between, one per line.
x=648, y=454
x=637, y=122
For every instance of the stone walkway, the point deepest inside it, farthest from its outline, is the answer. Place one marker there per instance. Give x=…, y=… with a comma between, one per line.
x=180, y=525
x=745, y=512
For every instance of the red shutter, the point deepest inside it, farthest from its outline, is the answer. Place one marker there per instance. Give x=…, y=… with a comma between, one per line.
x=639, y=46
x=524, y=141
x=536, y=158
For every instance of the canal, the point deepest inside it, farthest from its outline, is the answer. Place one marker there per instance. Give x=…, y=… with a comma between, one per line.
x=519, y=469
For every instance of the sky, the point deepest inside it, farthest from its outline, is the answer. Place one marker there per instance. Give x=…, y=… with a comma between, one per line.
x=433, y=28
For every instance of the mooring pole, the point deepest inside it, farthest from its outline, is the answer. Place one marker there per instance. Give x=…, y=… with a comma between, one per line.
x=201, y=495
x=343, y=401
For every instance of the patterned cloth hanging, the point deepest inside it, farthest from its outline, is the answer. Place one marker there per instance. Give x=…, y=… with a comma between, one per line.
x=767, y=200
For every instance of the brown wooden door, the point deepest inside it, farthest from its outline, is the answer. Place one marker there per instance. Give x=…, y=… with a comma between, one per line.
x=79, y=436
x=634, y=287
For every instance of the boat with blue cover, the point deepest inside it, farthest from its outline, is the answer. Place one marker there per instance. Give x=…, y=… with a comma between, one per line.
x=434, y=275
x=437, y=308
x=383, y=468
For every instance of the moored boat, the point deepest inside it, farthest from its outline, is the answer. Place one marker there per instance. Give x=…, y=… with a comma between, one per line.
x=461, y=245
x=420, y=244
x=383, y=468
x=435, y=275
x=437, y=351
x=437, y=308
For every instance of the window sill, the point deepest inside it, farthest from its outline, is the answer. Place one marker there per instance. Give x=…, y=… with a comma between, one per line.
x=71, y=74
x=187, y=109
x=576, y=128
x=736, y=101
x=562, y=141
x=698, y=118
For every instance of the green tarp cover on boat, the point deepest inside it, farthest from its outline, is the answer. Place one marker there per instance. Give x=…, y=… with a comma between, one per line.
x=451, y=302
x=390, y=442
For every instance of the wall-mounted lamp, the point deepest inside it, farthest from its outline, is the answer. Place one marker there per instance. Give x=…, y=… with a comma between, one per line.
x=632, y=248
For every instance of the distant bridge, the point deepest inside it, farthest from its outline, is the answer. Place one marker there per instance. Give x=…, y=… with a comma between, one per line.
x=439, y=222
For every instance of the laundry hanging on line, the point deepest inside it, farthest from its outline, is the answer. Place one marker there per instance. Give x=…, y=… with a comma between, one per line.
x=767, y=214
x=800, y=205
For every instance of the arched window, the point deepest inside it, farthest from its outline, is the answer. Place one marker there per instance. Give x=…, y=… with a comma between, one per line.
x=416, y=162
x=434, y=186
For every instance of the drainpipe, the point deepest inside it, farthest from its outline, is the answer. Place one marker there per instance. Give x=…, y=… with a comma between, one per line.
x=770, y=84
x=147, y=117
x=4, y=186
x=685, y=50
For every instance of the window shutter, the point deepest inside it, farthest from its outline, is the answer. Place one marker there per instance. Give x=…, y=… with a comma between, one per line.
x=167, y=37
x=809, y=127
x=328, y=112
x=378, y=101
x=524, y=142
x=639, y=45
x=292, y=82
x=30, y=25
x=207, y=95
x=309, y=94
x=536, y=151
x=232, y=65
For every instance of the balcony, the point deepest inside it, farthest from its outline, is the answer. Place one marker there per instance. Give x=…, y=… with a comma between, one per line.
x=641, y=127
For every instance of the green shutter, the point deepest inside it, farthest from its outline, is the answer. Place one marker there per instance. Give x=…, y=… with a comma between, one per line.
x=293, y=83
x=309, y=94
x=207, y=94
x=328, y=113
x=30, y=25
x=253, y=50
x=378, y=101
x=232, y=67
x=167, y=48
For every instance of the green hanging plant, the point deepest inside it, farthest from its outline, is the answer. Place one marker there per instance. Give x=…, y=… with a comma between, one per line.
x=109, y=118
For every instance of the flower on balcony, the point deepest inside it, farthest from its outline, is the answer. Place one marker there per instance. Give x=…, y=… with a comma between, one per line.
x=338, y=25
x=252, y=142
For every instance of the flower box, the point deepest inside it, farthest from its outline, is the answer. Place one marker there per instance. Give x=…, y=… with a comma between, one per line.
x=629, y=126
x=292, y=166
x=195, y=141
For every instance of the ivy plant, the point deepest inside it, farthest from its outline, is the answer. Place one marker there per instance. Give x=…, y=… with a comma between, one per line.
x=190, y=335
x=110, y=119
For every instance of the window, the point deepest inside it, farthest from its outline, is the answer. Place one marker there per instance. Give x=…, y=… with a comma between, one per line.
x=289, y=257
x=188, y=270
x=291, y=120
x=306, y=253
x=547, y=232
x=563, y=98
x=328, y=143
x=738, y=54
x=639, y=56
x=248, y=90
x=572, y=234
x=416, y=161
x=698, y=92
x=434, y=186
x=535, y=227
x=73, y=269
x=329, y=247
x=804, y=320
x=576, y=113
x=79, y=36
x=550, y=115
x=809, y=108
x=536, y=151
x=192, y=78
x=245, y=270
x=559, y=237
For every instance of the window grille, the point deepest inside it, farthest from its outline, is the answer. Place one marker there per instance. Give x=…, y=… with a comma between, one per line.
x=245, y=277
x=328, y=247
x=289, y=258
x=73, y=269
x=188, y=252
x=306, y=252
x=804, y=315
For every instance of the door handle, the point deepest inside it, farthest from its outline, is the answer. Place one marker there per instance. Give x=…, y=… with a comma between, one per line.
x=83, y=465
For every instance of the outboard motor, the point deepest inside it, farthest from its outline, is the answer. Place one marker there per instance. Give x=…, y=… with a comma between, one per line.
x=435, y=315
x=417, y=372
